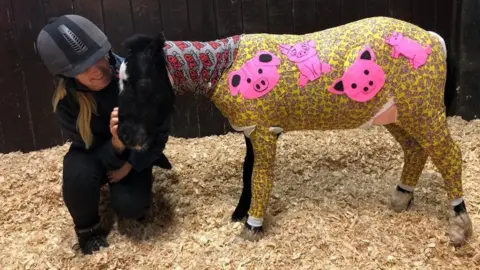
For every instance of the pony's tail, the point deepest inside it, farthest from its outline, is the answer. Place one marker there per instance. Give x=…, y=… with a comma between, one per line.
x=450, y=86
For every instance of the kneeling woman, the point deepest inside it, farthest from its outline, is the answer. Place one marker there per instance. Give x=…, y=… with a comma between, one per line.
x=85, y=102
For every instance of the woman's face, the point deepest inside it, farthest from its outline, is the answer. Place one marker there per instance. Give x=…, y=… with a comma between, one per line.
x=96, y=77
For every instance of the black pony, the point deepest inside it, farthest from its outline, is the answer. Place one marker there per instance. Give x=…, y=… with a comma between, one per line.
x=146, y=102
x=146, y=96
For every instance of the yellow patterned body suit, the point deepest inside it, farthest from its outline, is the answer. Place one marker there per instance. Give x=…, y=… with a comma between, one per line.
x=292, y=104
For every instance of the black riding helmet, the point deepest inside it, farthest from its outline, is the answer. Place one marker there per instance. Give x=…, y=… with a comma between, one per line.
x=69, y=44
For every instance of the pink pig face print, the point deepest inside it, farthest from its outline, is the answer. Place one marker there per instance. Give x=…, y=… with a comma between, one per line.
x=362, y=80
x=257, y=77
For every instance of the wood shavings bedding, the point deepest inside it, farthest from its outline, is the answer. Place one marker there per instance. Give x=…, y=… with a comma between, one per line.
x=328, y=207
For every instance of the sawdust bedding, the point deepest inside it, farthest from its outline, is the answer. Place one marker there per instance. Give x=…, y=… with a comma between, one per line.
x=328, y=208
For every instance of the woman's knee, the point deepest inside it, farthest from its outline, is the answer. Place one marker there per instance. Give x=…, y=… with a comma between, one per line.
x=132, y=199
x=130, y=205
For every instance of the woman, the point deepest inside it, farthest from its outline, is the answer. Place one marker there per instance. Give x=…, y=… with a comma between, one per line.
x=78, y=53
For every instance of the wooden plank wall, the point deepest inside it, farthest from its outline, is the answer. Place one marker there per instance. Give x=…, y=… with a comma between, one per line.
x=26, y=119
x=468, y=99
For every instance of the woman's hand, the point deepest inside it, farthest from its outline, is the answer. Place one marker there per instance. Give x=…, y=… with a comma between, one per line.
x=119, y=174
x=117, y=144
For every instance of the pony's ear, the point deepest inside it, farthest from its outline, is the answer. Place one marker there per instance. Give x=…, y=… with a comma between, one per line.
x=137, y=43
x=159, y=41
x=156, y=49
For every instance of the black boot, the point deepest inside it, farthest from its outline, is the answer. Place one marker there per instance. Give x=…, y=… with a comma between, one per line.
x=92, y=239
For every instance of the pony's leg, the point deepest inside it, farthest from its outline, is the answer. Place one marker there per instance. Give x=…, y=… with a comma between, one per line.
x=244, y=203
x=414, y=162
x=433, y=135
x=264, y=145
x=241, y=211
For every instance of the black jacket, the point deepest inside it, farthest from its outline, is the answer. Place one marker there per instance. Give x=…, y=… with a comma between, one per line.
x=68, y=110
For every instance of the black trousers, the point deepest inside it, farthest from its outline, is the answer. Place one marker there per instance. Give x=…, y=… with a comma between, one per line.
x=83, y=176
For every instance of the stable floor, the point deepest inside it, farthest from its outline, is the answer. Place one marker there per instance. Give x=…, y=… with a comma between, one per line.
x=328, y=209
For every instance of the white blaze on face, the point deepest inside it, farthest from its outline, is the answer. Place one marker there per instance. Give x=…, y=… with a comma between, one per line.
x=122, y=74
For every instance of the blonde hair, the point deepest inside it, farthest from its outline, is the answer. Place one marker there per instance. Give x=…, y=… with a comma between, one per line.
x=87, y=107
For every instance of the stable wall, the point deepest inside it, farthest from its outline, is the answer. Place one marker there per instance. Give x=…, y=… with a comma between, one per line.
x=26, y=119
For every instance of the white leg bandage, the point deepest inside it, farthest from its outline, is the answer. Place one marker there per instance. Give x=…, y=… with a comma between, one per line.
x=407, y=188
x=457, y=201
x=255, y=222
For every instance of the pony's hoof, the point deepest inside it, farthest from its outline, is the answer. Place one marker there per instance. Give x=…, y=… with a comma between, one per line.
x=401, y=200
x=460, y=228
x=251, y=233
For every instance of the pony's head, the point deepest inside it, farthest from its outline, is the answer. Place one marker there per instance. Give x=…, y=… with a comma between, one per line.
x=146, y=95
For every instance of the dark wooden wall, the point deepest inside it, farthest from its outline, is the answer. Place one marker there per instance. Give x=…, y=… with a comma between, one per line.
x=467, y=100
x=26, y=119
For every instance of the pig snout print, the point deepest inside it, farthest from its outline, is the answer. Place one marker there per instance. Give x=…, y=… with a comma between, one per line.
x=412, y=50
x=257, y=77
x=362, y=80
x=304, y=54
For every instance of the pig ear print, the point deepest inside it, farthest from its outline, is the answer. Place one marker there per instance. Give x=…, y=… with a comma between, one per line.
x=285, y=49
x=366, y=54
x=337, y=87
x=234, y=80
x=268, y=59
